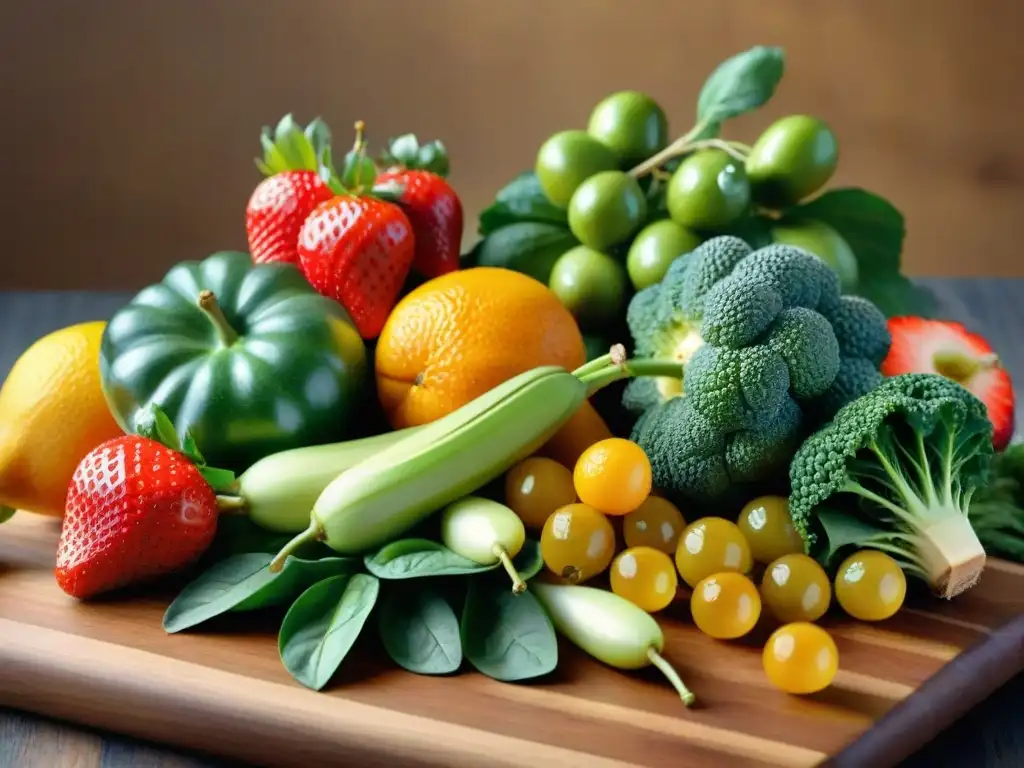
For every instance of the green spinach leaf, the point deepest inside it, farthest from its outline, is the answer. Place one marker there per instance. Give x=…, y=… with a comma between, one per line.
x=417, y=558
x=874, y=229
x=323, y=624
x=529, y=561
x=530, y=247
x=740, y=84
x=244, y=583
x=520, y=200
x=419, y=629
x=505, y=636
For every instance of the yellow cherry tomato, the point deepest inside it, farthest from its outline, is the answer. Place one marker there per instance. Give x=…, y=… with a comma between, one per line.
x=725, y=605
x=711, y=545
x=536, y=487
x=870, y=585
x=796, y=588
x=800, y=658
x=613, y=476
x=656, y=523
x=645, y=576
x=577, y=543
x=766, y=523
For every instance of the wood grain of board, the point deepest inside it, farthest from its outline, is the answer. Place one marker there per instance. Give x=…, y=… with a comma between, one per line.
x=223, y=690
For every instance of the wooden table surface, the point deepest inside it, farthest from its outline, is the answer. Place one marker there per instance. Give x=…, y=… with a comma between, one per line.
x=989, y=737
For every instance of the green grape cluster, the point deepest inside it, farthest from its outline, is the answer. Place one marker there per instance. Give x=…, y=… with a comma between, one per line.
x=635, y=202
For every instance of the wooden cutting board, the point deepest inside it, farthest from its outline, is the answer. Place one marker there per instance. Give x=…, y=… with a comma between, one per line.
x=223, y=690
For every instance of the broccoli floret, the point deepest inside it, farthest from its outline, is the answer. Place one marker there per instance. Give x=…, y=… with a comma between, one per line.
x=735, y=388
x=765, y=339
x=694, y=462
x=895, y=470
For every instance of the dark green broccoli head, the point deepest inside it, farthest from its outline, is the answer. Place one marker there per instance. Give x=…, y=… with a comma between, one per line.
x=894, y=470
x=765, y=338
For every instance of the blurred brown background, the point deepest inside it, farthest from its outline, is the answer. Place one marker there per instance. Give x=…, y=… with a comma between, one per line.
x=129, y=127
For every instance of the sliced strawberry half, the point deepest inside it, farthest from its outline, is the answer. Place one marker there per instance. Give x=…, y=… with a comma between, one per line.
x=920, y=345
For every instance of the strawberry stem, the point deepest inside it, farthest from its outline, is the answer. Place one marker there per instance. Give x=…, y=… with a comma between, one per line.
x=208, y=303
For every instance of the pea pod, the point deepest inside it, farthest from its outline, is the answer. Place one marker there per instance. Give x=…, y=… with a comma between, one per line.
x=384, y=496
x=610, y=628
x=278, y=491
x=485, y=532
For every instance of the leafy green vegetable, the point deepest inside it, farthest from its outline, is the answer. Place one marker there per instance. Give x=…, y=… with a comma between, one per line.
x=419, y=629
x=895, y=470
x=740, y=84
x=245, y=583
x=997, y=508
x=522, y=199
x=530, y=247
x=505, y=636
x=418, y=558
x=874, y=229
x=237, y=534
x=323, y=624
x=529, y=562
x=6, y=513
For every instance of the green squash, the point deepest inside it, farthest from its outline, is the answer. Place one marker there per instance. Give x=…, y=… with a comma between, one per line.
x=248, y=358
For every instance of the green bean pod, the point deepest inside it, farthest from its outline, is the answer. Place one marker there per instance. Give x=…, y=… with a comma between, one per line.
x=278, y=491
x=384, y=496
x=610, y=628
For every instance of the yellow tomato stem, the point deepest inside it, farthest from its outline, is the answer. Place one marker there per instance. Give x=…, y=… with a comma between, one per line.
x=208, y=303
x=518, y=585
x=673, y=677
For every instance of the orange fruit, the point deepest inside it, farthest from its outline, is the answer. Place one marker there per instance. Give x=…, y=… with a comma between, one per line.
x=52, y=413
x=459, y=335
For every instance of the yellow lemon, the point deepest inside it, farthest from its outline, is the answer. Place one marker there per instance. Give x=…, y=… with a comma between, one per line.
x=52, y=413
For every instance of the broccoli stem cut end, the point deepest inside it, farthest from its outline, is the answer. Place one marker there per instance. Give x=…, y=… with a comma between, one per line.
x=950, y=552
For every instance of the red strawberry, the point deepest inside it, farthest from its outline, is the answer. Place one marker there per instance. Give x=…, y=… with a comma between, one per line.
x=296, y=162
x=135, y=510
x=435, y=212
x=276, y=211
x=357, y=251
x=949, y=349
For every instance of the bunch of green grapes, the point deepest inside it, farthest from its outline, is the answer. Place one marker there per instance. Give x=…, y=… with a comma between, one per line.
x=636, y=202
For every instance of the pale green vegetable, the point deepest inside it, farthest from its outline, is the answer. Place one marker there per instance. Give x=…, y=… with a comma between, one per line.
x=485, y=532
x=609, y=628
x=278, y=491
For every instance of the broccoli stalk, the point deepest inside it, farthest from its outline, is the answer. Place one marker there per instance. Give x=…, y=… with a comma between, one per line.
x=921, y=500
x=895, y=471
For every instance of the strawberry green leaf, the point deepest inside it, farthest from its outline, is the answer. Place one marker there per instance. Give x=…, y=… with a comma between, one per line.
x=389, y=191
x=154, y=424
x=218, y=479
x=407, y=152
x=190, y=449
x=6, y=513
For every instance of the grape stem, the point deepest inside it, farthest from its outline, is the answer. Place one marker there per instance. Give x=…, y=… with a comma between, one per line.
x=673, y=677
x=686, y=144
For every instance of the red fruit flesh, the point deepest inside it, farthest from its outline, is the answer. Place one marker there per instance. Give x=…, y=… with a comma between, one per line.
x=276, y=211
x=135, y=510
x=435, y=212
x=949, y=349
x=357, y=251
